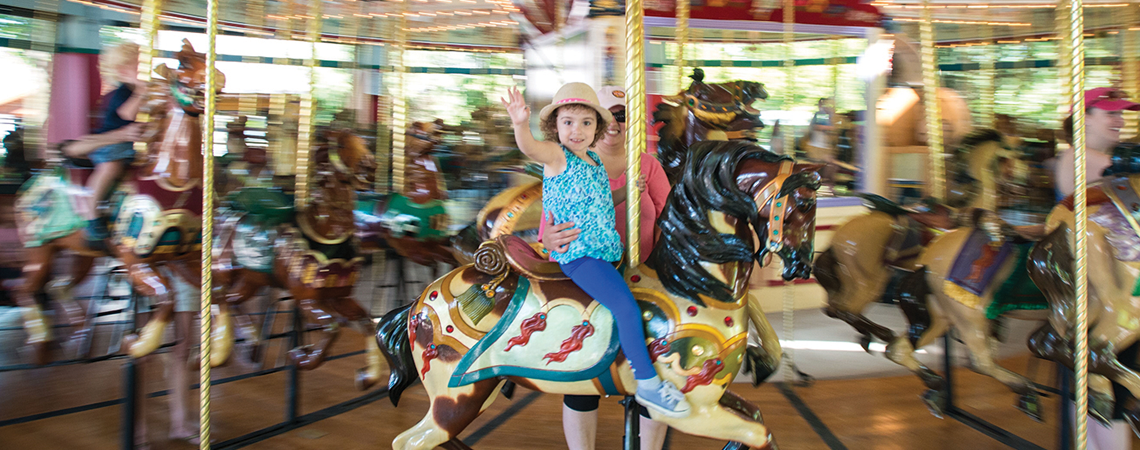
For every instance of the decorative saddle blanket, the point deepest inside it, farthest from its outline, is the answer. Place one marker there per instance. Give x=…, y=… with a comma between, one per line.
x=584, y=342
x=254, y=244
x=1018, y=292
x=1123, y=221
x=977, y=263
x=45, y=208
x=144, y=226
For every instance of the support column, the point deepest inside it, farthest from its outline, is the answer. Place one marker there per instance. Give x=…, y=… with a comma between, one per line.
x=871, y=157
x=75, y=81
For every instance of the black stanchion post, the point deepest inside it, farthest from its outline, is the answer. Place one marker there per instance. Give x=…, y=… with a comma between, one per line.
x=129, y=386
x=1066, y=377
x=632, y=439
x=948, y=363
x=292, y=394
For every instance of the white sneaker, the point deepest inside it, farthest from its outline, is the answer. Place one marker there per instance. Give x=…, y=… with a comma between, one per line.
x=663, y=397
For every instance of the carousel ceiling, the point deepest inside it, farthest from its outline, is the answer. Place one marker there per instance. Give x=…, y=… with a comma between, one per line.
x=496, y=25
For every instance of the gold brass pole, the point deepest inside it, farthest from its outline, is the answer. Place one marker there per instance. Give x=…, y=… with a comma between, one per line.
x=635, y=122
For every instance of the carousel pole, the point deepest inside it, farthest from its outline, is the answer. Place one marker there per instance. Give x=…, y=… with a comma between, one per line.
x=1131, y=69
x=682, y=30
x=207, y=220
x=933, y=108
x=989, y=78
x=148, y=21
x=635, y=145
x=306, y=117
x=399, y=103
x=1077, y=77
x=789, y=313
x=988, y=86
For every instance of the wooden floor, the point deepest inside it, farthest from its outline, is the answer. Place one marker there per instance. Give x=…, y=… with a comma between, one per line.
x=880, y=413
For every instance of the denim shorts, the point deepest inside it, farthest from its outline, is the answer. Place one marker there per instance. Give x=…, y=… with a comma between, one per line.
x=114, y=152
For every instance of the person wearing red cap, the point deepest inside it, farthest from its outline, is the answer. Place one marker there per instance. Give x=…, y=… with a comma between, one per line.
x=1104, y=117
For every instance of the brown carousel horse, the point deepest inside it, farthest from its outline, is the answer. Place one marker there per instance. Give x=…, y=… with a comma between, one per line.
x=1113, y=286
x=970, y=279
x=870, y=253
x=158, y=225
x=705, y=112
x=413, y=221
x=514, y=316
x=312, y=254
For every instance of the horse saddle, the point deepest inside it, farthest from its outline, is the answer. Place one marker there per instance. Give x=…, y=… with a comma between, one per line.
x=524, y=259
x=541, y=335
x=265, y=206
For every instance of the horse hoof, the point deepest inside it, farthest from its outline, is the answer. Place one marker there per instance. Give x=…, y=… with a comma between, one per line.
x=364, y=381
x=1100, y=408
x=1030, y=404
x=865, y=342
x=934, y=401
x=302, y=358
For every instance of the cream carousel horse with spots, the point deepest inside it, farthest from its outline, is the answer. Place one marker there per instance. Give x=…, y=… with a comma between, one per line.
x=514, y=316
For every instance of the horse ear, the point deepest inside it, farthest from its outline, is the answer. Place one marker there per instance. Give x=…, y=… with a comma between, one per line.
x=808, y=167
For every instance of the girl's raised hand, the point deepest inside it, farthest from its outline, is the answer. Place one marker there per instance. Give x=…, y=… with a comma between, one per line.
x=516, y=107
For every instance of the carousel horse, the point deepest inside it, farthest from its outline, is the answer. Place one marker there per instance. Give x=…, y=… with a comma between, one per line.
x=158, y=224
x=514, y=316
x=970, y=279
x=311, y=253
x=413, y=221
x=870, y=253
x=243, y=165
x=1113, y=284
x=714, y=112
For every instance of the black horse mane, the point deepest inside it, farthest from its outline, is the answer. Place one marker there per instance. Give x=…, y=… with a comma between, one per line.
x=708, y=183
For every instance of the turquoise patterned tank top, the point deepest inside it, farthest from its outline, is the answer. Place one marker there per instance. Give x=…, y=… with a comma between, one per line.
x=581, y=194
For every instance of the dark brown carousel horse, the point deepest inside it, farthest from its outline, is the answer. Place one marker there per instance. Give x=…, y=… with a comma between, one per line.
x=159, y=224
x=312, y=254
x=413, y=221
x=713, y=112
x=514, y=316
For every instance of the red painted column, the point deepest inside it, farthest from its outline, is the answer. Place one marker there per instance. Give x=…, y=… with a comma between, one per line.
x=75, y=92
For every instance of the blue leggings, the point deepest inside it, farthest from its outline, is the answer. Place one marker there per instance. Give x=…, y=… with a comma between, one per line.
x=603, y=282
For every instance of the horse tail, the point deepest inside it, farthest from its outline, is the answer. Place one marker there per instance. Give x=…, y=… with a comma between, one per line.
x=912, y=298
x=826, y=273
x=392, y=336
x=1051, y=268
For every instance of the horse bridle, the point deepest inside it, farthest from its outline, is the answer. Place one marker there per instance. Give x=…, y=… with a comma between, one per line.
x=768, y=196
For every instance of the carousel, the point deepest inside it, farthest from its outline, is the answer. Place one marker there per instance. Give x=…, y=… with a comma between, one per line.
x=322, y=224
